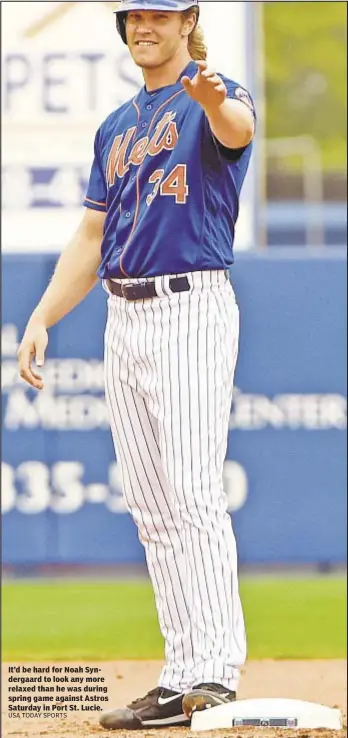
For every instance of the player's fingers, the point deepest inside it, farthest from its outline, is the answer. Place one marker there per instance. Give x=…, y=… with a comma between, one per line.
x=26, y=353
x=215, y=80
x=29, y=375
x=202, y=65
x=35, y=380
x=208, y=73
x=220, y=87
x=187, y=84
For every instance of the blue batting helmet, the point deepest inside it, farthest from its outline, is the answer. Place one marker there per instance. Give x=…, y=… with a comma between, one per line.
x=124, y=6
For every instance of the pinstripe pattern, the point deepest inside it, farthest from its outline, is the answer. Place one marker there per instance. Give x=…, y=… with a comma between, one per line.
x=169, y=367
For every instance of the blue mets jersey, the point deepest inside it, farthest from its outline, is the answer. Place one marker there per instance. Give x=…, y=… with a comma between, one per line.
x=169, y=189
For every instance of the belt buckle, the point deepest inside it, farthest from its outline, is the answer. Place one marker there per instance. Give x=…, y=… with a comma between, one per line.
x=126, y=290
x=130, y=290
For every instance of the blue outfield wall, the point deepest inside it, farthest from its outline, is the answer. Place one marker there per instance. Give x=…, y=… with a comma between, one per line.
x=285, y=472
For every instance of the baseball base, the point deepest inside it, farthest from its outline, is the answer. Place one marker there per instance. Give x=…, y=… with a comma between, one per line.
x=267, y=713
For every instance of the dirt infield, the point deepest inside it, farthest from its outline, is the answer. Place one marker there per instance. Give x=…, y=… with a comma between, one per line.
x=315, y=681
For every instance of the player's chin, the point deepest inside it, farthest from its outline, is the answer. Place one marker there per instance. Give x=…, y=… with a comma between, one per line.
x=146, y=56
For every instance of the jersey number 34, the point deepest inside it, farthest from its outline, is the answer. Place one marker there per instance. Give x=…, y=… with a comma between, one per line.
x=174, y=185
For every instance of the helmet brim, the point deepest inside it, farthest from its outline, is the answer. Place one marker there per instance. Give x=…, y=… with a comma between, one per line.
x=164, y=5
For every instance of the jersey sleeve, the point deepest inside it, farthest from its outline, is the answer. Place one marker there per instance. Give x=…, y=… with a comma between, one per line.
x=96, y=191
x=234, y=92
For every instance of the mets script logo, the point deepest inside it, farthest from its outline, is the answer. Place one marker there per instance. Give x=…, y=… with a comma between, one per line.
x=164, y=137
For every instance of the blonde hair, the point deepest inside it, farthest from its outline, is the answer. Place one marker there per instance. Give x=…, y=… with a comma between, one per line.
x=196, y=45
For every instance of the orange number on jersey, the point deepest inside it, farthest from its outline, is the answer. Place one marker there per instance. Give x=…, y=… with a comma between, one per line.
x=176, y=184
x=155, y=179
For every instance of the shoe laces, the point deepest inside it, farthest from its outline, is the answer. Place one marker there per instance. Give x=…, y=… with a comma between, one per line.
x=149, y=694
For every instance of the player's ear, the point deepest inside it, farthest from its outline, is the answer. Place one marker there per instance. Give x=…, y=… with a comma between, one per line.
x=189, y=22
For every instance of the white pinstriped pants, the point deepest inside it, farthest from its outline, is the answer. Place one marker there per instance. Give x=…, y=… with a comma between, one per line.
x=169, y=368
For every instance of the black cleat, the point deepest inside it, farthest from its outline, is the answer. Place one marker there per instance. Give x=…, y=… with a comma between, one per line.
x=158, y=708
x=204, y=696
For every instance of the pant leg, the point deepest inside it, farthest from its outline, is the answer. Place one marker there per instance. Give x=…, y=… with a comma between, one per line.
x=147, y=491
x=199, y=345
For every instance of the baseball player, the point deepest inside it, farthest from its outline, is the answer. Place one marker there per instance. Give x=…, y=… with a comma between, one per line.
x=158, y=230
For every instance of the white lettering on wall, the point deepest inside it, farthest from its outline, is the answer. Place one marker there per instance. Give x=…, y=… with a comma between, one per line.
x=34, y=487
x=87, y=412
x=73, y=399
x=310, y=412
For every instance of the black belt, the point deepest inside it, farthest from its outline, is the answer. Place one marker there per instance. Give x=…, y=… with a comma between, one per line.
x=144, y=290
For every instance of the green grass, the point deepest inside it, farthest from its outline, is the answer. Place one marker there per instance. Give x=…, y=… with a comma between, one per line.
x=72, y=620
x=296, y=618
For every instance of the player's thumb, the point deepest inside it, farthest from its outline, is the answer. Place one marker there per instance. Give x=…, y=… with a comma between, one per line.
x=186, y=83
x=40, y=348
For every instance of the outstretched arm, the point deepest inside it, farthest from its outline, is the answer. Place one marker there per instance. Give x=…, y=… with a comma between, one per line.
x=231, y=121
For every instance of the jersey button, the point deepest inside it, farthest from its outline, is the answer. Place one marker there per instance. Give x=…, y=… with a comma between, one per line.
x=143, y=125
x=128, y=215
x=149, y=107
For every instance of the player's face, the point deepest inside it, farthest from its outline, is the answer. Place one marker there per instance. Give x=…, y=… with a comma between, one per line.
x=154, y=37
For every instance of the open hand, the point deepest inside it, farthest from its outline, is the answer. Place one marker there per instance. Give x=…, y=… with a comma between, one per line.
x=206, y=87
x=33, y=346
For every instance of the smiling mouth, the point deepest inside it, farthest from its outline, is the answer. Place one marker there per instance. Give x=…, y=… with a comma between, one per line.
x=146, y=43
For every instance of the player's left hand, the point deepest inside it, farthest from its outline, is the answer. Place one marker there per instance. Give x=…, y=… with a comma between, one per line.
x=206, y=87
